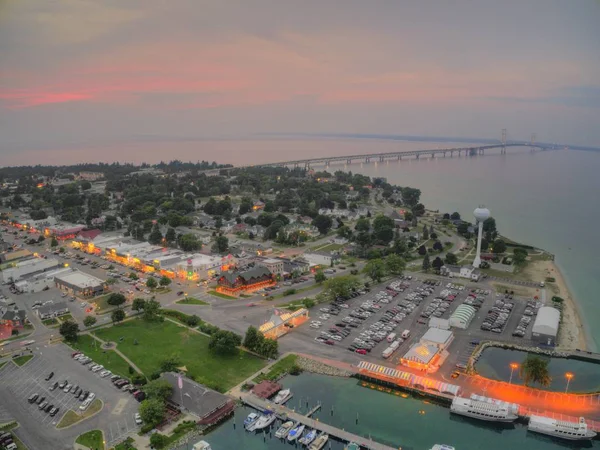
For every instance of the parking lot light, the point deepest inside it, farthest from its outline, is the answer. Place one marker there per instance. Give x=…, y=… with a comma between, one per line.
x=513, y=366
x=568, y=376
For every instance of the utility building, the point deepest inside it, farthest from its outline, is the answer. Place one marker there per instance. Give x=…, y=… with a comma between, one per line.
x=545, y=327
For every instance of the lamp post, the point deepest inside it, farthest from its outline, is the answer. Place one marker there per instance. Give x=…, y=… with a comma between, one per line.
x=568, y=376
x=513, y=366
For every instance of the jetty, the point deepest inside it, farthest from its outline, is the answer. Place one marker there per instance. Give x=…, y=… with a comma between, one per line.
x=285, y=413
x=313, y=410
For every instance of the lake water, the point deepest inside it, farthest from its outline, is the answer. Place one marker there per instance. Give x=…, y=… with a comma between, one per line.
x=410, y=423
x=495, y=362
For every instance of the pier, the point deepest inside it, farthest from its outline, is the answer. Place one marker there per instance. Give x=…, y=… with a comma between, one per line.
x=286, y=413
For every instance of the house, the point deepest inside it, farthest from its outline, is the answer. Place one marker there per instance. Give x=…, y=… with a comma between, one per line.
x=88, y=235
x=239, y=228
x=398, y=218
x=321, y=258
x=204, y=220
x=228, y=225
x=352, y=195
x=307, y=230
x=258, y=205
x=273, y=264
x=257, y=230
x=340, y=240
x=304, y=219
x=299, y=265
x=12, y=316
x=52, y=310
x=90, y=176
x=468, y=272
x=235, y=283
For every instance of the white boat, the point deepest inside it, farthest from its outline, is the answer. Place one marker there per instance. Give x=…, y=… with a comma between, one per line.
x=202, y=445
x=249, y=421
x=573, y=431
x=488, y=411
x=284, y=429
x=442, y=447
x=283, y=396
x=319, y=442
x=308, y=437
x=295, y=433
x=262, y=422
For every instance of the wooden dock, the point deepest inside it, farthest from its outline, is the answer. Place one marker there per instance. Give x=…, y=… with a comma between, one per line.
x=282, y=411
x=314, y=410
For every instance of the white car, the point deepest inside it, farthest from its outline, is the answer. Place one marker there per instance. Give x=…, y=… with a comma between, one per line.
x=105, y=373
x=138, y=419
x=67, y=387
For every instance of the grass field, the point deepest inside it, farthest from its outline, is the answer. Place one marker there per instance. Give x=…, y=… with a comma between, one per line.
x=92, y=439
x=278, y=369
x=108, y=358
x=2, y=363
x=102, y=304
x=127, y=444
x=218, y=294
x=22, y=359
x=53, y=323
x=162, y=339
x=71, y=417
x=12, y=426
x=191, y=301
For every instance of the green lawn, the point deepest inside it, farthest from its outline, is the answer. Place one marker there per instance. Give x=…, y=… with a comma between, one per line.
x=71, y=417
x=92, y=439
x=65, y=317
x=101, y=304
x=50, y=322
x=2, y=363
x=127, y=444
x=218, y=294
x=12, y=426
x=191, y=301
x=162, y=339
x=22, y=359
x=280, y=367
x=108, y=358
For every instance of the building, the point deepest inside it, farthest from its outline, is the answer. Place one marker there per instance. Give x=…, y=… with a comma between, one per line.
x=52, y=310
x=430, y=352
x=12, y=316
x=205, y=405
x=90, y=176
x=63, y=233
x=468, y=272
x=545, y=327
x=39, y=282
x=292, y=265
x=79, y=283
x=462, y=316
x=27, y=268
x=320, y=258
x=15, y=256
x=235, y=283
x=258, y=205
x=274, y=265
x=438, y=337
x=282, y=322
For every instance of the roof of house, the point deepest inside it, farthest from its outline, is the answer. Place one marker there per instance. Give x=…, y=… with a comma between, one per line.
x=193, y=396
x=12, y=313
x=436, y=336
x=255, y=272
x=421, y=353
x=89, y=234
x=547, y=321
x=53, y=307
x=79, y=279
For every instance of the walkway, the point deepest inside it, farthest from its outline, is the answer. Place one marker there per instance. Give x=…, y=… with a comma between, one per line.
x=118, y=352
x=343, y=435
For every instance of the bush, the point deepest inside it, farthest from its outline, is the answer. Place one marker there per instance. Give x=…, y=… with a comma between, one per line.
x=287, y=292
x=295, y=370
x=558, y=299
x=193, y=321
x=139, y=379
x=208, y=328
x=155, y=375
x=147, y=427
x=158, y=440
x=182, y=317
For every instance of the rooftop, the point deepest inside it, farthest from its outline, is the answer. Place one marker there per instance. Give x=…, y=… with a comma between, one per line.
x=421, y=353
x=49, y=309
x=436, y=336
x=194, y=397
x=79, y=279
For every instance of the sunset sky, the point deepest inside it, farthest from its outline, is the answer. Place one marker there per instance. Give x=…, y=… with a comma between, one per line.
x=76, y=72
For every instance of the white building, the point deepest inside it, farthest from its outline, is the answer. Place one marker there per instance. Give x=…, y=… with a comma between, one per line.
x=462, y=317
x=274, y=265
x=545, y=327
x=320, y=259
x=204, y=266
x=468, y=272
x=79, y=283
x=52, y=310
x=438, y=337
x=39, y=282
x=28, y=267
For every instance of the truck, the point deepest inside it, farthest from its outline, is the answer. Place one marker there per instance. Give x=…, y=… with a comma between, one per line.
x=391, y=337
x=387, y=352
x=405, y=334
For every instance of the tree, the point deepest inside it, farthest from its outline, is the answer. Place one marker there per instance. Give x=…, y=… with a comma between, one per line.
x=323, y=223
x=85, y=185
x=69, y=329
x=455, y=216
x=160, y=389
x=221, y=244
x=520, y=255
x=158, y=440
x=375, y=269
x=499, y=246
x=344, y=232
x=384, y=235
x=394, y=264
x=171, y=236
x=151, y=283
x=320, y=276
x=535, y=370
x=118, y=315
x=422, y=250
x=425, y=233
x=437, y=245
x=269, y=348
x=426, y=263
x=224, y=342
x=189, y=243
x=115, y=299
x=151, y=310
x=139, y=303
x=155, y=236
x=170, y=363
x=437, y=263
x=451, y=259
x=489, y=229
x=252, y=338
x=53, y=242
x=363, y=224
x=341, y=286
x=399, y=247
x=152, y=411
x=89, y=321
x=164, y=281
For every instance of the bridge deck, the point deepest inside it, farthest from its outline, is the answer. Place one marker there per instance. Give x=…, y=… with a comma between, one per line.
x=264, y=405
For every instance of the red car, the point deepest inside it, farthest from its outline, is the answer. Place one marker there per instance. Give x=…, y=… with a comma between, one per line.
x=361, y=351
x=329, y=342
x=251, y=304
x=74, y=354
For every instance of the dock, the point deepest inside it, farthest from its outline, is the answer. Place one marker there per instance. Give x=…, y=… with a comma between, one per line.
x=314, y=410
x=284, y=412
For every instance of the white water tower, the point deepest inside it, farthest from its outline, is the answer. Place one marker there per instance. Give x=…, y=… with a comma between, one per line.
x=480, y=214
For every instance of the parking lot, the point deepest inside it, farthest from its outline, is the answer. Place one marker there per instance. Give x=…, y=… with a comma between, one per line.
x=18, y=384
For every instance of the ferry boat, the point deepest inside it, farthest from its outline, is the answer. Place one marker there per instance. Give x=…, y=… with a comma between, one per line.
x=284, y=429
x=442, y=447
x=262, y=422
x=248, y=421
x=573, y=431
x=295, y=433
x=482, y=410
x=202, y=445
x=320, y=442
x=283, y=396
x=308, y=437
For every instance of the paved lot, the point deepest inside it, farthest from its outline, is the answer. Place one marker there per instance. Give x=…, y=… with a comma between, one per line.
x=38, y=428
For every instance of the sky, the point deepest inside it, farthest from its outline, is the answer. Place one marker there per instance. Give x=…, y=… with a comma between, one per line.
x=81, y=72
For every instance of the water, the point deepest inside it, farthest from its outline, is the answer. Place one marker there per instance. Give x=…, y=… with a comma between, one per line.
x=412, y=423
x=495, y=362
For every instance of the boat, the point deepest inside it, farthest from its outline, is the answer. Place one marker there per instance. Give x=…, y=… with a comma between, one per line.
x=308, y=437
x=442, y=447
x=483, y=410
x=284, y=429
x=283, y=396
x=248, y=421
x=320, y=442
x=202, y=445
x=352, y=446
x=295, y=433
x=573, y=431
x=262, y=422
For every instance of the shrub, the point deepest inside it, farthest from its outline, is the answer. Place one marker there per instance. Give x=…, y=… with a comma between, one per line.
x=295, y=370
x=147, y=427
x=287, y=292
x=139, y=379
x=193, y=321
x=158, y=440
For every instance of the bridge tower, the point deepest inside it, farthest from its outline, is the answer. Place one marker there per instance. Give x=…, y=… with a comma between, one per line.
x=503, y=150
x=532, y=141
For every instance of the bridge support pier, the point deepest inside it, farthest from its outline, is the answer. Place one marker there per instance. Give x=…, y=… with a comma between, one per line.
x=432, y=155
x=381, y=159
x=417, y=156
x=399, y=157
x=367, y=159
x=348, y=161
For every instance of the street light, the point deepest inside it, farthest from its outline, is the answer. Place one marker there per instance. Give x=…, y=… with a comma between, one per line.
x=568, y=376
x=513, y=366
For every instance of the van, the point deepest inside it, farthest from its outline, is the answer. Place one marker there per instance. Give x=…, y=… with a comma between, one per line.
x=405, y=334
x=391, y=337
